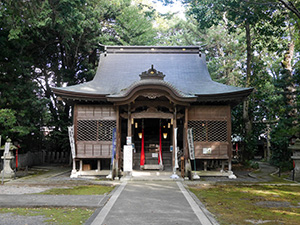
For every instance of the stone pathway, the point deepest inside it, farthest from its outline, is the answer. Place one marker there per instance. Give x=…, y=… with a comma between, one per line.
x=152, y=202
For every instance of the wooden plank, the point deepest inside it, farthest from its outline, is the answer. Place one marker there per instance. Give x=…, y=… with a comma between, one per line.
x=96, y=112
x=97, y=150
x=208, y=112
x=218, y=150
x=92, y=149
x=80, y=150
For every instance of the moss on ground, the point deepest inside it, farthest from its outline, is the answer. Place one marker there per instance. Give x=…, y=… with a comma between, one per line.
x=268, y=204
x=64, y=216
x=80, y=190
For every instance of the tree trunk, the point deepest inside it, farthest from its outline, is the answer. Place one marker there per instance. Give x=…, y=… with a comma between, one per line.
x=246, y=117
x=290, y=88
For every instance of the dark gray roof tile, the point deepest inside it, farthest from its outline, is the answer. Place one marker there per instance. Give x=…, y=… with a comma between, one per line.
x=187, y=73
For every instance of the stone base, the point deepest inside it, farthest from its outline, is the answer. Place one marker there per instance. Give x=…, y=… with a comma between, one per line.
x=7, y=174
x=89, y=173
x=152, y=167
x=221, y=173
x=174, y=176
x=74, y=174
x=296, y=174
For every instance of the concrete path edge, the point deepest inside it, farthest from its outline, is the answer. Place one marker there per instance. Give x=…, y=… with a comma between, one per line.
x=202, y=216
x=100, y=214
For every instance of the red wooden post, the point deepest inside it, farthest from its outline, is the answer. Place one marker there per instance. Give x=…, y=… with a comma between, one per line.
x=17, y=156
x=160, y=147
x=142, y=160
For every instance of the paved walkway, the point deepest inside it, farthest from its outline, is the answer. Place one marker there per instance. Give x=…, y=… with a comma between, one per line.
x=156, y=202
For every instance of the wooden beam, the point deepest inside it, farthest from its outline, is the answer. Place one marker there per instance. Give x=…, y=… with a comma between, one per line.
x=185, y=142
x=229, y=136
x=155, y=104
x=118, y=145
x=129, y=125
x=75, y=120
x=152, y=113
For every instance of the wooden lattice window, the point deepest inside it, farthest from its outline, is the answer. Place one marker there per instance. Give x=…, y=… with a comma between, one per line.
x=95, y=130
x=209, y=131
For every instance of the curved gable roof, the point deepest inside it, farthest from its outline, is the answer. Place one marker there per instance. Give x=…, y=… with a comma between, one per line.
x=119, y=68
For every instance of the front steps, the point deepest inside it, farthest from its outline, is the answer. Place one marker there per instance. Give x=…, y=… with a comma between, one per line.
x=151, y=161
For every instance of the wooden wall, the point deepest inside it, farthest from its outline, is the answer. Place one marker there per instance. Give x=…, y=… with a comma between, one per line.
x=211, y=130
x=93, y=130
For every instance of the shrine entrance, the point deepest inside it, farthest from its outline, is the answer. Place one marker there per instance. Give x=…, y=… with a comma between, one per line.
x=152, y=137
x=148, y=123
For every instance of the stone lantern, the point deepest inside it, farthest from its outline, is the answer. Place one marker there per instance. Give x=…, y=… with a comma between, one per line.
x=7, y=172
x=296, y=157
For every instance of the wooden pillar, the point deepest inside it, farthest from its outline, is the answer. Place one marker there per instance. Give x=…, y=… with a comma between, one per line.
x=75, y=121
x=129, y=125
x=118, y=144
x=229, y=166
x=80, y=165
x=74, y=165
x=223, y=165
x=98, y=165
x=205, y=165
x=185, y=142
x=229, y=138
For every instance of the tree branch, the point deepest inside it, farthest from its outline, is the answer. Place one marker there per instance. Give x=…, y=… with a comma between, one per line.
x=290, y=6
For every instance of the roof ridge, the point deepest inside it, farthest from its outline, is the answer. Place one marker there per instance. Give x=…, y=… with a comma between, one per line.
x=153, y=49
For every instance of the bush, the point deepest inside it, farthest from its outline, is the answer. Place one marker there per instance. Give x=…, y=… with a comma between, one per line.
x=251, y=164
x=281, y=155
x=250, y=147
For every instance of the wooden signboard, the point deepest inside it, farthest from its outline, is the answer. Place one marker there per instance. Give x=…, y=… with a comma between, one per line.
x=72, y=143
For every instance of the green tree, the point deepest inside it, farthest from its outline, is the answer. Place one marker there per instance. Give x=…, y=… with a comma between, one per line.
x=54, y=43
x=261, y=23
x=134, y=28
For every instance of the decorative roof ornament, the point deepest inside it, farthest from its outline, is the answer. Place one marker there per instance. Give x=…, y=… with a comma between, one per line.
x=152, y=74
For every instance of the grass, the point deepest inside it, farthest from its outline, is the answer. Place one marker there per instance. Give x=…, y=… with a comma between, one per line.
x=80, y=190
x=269, y=204
x=64, y=216
x=68, y=216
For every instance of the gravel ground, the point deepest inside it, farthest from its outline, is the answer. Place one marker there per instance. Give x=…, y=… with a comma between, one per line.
x=20, y=190
x=10, y=218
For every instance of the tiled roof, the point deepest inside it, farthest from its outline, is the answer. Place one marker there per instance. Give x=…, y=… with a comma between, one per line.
x=184, y=68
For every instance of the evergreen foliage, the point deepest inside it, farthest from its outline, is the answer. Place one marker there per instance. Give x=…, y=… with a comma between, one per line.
x=54, y=43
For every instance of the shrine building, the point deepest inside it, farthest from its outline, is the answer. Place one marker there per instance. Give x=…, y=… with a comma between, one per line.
x=151, y=97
